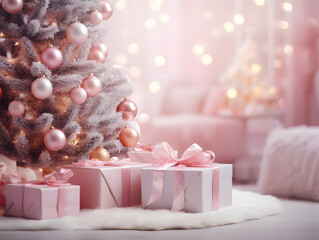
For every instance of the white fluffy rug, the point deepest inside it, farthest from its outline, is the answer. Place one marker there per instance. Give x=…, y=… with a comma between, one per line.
x=246, y=206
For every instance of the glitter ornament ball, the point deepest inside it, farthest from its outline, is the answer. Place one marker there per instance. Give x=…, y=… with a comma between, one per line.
x=128, y=109
x=78, y=95
x=128, y=137
x=77, y=33
x=12, y=6
x=55, y=140
x=51, y=57
x=106, y=9
x=97, y=55
x=16, y=109
x=96, y=17
x=92, y=86
x=100, y=153
x=41, y=88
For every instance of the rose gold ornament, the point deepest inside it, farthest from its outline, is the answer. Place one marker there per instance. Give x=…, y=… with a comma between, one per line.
x=106, y=9
x=128, y=137
x=12, y=6
x=77, y=33
x=41, y=88
x=96, y=17
x=55, y=140
x=100, y=153
x=51, y=57
x=128, y=109
x=92, y=86
x=102, y=47
x=16, y=109
x=78, y=95
x=97, y=55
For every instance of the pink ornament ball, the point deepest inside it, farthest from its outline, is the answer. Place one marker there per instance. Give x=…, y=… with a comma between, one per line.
x=128, y=137
x=96, y=17
x=41, y=88
x=51, y=57
x=102, y=47
x=106, y=9
x=92, y=86
x=16, y=109
x=55, y=140
x=77, y=33
x=78, y=95
x=97, y=56
x=12, y=6
x=128, y=109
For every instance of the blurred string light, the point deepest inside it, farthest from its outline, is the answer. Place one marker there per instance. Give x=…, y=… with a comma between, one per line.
x=121, y=59
x=231, y=93
x=287, y=6
x=154, y=87
x=239, y=19
x=272, y=90
x=1, y=34
x=277, y=63
x=121, y=4
x=207, y=59
x=255, y=68
x=288, y=49
x=133, y=48
x=159, y=61
x=198, y=49
x=149, y=23
x=283, y=24
x=229, y=27
x=135, y=72
x=164, y=18
x=155, y=5
x=259, y=3
x=143, y=118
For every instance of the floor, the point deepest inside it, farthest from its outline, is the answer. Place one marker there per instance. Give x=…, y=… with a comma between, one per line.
x=299, y=220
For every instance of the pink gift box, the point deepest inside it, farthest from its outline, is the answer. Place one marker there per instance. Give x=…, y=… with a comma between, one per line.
x=42, y=201
x=189, y=189
x=108, y=186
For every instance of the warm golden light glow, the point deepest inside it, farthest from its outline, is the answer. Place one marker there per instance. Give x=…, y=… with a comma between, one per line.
x=149, y=23
x=133, y=48
x=255, y=68
x=277, y=63
x=239, y=19
x=143, y=118
x=288, y=49
x=17, y=43
x=164, y=18
x=54, y=24
x=121, y=59
x=1, y=34
x=155, y=5
x=198, y=49
x=154, y=87
x=259, y=3
x=231, y=93
x=287, y=6
x=159, y=61
x=229, y=27
x=207, y=59
x=283, y=24
x=272, y=90
x=121, y=4
x=135, y=72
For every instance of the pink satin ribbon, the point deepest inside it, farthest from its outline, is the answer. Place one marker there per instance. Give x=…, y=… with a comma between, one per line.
x=125, y=164
x=166, y=157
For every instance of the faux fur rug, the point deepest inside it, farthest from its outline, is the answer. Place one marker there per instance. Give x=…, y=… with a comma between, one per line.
x=246, y=206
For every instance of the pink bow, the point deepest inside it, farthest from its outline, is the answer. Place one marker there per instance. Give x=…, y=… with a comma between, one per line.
x=58, y=178
x=114, y=161
x=194, y=156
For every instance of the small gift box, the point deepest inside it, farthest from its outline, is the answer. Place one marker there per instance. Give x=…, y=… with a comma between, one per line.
x=51, y=198
x=116, y=183
x=192, y=183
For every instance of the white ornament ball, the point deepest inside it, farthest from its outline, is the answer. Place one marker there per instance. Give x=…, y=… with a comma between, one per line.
x=41, y=88
x=77, y=33
x=96, y=17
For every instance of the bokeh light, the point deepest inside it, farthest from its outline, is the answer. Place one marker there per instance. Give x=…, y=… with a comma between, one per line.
x=121, y=4
x=229, y=27
x=164, y=18
x=154, y=87
x=150, y=23
x=121, y=59
x=255, y=68
x=288, y=49
x=198, y=49
x=135, y=72
x=283, y=24
x=159, y=61
x=287, y=6
x=133, y=48
x=207, y=59
x=239, y=19
x=143, y=118
x=231, y=93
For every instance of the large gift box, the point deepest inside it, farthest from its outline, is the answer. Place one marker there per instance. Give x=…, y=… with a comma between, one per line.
x=116, y=183
x=191, y=184
x=51, y=198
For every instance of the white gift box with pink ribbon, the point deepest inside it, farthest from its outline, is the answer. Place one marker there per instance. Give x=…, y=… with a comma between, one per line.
x=51, y=198
x=192, y=183
x=116, y=183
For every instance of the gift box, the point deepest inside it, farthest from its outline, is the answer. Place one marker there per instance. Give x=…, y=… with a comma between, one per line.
x=43, y=199
x=116, y=183
x=191, y=184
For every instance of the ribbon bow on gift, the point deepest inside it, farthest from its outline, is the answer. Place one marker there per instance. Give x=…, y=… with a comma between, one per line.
x=194, y=156
x=140, y=148
x=58, y=178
